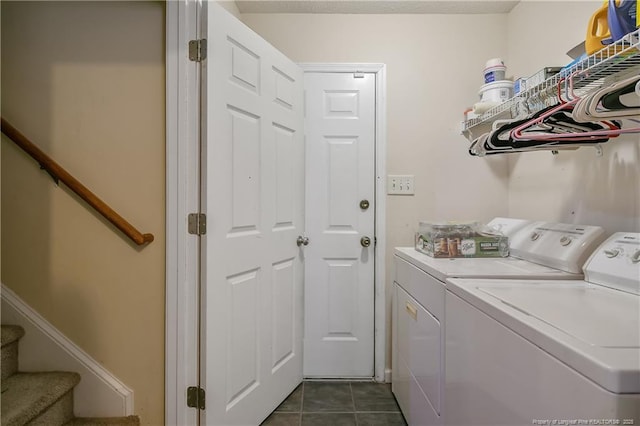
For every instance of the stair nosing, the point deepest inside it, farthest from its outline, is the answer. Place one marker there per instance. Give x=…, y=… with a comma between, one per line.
x=10, y=334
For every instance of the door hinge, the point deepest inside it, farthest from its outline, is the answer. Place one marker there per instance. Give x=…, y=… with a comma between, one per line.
x=198, y=50
x=195, y=397
x=197, y=223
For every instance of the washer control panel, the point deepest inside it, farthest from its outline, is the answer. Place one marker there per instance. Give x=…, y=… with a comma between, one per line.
x=616, y=263
x=557, y=245
x=508, y=226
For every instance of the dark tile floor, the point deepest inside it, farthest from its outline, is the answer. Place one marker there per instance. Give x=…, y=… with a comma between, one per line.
x=338, y=403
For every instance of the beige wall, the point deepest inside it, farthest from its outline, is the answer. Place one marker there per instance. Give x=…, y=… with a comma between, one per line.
x=231, y=7
x=90, y=99
x=85, y=82
x=434, y=69
x=575, y=186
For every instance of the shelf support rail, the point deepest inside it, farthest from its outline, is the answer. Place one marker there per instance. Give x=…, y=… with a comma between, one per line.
x=60, y=174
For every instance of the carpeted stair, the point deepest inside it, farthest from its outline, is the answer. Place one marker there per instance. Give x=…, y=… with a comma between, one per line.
x=44, y=398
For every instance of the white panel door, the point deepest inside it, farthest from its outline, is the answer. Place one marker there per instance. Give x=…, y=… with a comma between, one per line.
x=339, y=271
x=253, y=195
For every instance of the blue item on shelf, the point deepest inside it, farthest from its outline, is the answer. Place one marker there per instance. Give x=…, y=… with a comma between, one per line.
x=564, y=72
x=621, y=18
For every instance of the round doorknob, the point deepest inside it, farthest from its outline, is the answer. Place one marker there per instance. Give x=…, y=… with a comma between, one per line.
x=302, y=241
x=364, y=204
x=365, y=241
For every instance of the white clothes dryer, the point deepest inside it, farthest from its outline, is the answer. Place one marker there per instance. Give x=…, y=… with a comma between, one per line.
x=523, y=352
x=418, y=336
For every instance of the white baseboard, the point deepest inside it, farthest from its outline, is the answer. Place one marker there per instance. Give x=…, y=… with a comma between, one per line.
x=387, y=375
x=44, y=348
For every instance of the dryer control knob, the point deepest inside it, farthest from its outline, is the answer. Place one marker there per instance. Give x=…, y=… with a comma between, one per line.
x=565, y=241
x=612, y=252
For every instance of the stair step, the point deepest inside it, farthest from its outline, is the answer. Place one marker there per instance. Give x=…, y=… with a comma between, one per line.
x=9, y=337
x=105, y=421
x=39, y=398
x=10, y=334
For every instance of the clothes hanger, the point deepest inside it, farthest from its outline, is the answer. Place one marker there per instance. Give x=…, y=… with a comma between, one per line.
x=555, y=127
x=599, y=131
x=606, y=103
x=500, y=140
x=524, y=131
x=477, y=146
x=613, y=101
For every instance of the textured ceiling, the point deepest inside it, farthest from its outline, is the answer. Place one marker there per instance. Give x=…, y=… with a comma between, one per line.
x=375, y=6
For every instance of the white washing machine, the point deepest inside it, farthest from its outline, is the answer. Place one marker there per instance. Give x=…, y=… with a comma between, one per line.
x=418, y=337
x=527, y=352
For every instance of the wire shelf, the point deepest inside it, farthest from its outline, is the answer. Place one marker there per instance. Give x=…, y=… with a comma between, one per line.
x=610, y=64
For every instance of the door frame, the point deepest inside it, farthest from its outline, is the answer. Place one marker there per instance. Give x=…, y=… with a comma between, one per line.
x=380, y=305
x=182, y=297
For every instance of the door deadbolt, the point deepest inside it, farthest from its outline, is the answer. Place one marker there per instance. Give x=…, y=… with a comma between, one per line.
x=364, y=204
x=302, y=241
x=365, y=241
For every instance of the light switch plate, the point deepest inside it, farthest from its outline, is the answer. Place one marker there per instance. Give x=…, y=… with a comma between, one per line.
x=400, y=185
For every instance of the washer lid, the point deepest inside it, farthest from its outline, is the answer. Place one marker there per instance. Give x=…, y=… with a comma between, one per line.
x=593, y=329
x=596, y=317
x=502, y=267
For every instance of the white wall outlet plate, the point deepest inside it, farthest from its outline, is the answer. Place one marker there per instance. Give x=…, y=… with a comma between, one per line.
x=400, y=185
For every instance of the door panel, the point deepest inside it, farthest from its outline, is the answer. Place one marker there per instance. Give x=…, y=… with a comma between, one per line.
x=343, y=276
x=253, y=195
x=339, y=271
x=283, y=301
x=285, y=184
x=343, y=191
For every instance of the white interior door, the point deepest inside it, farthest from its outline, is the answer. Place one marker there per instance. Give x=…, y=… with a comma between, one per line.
x=339, y=270
x=253, y=195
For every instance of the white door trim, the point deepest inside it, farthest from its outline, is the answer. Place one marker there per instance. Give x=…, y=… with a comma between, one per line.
x=380, y=204
x=182, y=177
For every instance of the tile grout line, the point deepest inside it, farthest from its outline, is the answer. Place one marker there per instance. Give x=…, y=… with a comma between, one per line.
x=301, y=404
x=353, y=401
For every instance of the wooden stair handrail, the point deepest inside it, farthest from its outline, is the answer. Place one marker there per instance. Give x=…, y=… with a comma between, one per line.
x=58, y=173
